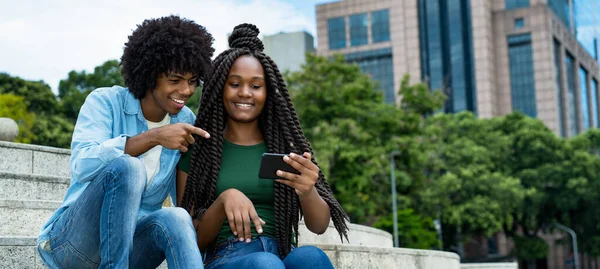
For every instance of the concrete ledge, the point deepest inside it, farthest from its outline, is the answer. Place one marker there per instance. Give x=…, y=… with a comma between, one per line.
x=4, y=144
x=30, y=204
x=355, y=257
x=34, y=159
x=358, y=235
x=20, y=252
x=18, y=241
x=28, y=186
x=491, y=265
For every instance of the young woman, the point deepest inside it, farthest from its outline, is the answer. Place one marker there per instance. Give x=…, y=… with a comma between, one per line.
x=243, y=221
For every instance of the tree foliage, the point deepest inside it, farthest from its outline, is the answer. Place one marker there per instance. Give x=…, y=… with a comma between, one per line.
x=14, y=107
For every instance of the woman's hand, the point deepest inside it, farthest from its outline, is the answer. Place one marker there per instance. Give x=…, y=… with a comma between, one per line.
x=304, y=183
x=240, y=213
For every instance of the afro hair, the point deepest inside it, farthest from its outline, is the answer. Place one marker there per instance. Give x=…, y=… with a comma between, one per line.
x=162, y=46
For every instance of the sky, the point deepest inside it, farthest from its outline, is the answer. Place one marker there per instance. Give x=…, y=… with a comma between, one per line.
x=45, y=40
x=588, y=23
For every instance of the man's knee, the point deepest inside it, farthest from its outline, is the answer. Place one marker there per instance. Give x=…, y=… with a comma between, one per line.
x=176, y=220
x=129, y=170
x=176, y=214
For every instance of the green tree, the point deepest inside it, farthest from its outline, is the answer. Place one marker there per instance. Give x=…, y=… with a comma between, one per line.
x=53, y=131
x=73, y=90
x=353, y=132
x=464, y=182
x=38, y=96
x=414, y=231
x=14, y=107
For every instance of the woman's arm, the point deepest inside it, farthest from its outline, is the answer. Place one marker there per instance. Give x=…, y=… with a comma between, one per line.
x=316, y=212
x=315, y=209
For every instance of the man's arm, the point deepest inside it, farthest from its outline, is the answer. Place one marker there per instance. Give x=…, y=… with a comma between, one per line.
x=93, y=146
x=140, y=144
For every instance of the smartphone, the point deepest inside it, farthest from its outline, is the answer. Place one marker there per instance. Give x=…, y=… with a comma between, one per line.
x=270, y=163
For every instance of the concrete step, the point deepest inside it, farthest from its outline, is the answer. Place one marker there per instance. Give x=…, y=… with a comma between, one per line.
x=33, y=187
x=33, y=159
x=355, y=257
x=24, y=217
x=21, y=252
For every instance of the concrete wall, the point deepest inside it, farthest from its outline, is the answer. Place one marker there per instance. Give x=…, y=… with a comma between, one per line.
x=288, y=50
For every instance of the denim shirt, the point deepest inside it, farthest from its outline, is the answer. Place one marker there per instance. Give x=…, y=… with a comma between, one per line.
x=107, y=118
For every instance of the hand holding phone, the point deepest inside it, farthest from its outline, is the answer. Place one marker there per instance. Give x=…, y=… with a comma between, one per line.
x=296, y=171
x=271, y=162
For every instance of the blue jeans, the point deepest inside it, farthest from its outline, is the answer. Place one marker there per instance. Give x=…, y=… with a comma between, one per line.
x=262, y=252
x=101, y=229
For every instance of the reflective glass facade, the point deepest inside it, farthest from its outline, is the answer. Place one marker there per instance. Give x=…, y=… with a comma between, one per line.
x=445, y=35
x=583, y=96
x=337, y=32
x=571, y=69
x=519, y=23
x=594, y=103
x=513, y=4
x=522, y=80
x=562, y=10
x=379, y=65
x=559, y=88
x=587, y=24
x=380, y=25
x=359, y=34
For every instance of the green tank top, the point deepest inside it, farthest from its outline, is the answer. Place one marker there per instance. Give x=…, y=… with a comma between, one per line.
x=239, y=170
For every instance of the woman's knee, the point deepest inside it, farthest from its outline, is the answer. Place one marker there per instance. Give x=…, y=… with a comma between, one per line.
x=263, y=260
x=307, y=257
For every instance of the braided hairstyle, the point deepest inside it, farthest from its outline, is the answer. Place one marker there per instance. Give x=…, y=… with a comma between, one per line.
x=280, y=127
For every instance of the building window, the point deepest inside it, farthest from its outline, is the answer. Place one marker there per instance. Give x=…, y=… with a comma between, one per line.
x=447, y=61
x=562, y=10
x=337, y=32
x=522, y=82
x=583, y=95
x=519, y=23
x=380, y=25
x=559, y=88
x=379, y=66
x=570, y=69
x=513, y=4
x=358, y=30
x=595, y=103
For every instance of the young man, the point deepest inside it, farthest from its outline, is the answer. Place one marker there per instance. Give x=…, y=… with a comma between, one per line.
x=126, y=144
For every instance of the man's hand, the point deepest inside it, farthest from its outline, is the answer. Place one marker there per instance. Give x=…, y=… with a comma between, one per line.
x=173, y=136
x=177, y=136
